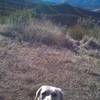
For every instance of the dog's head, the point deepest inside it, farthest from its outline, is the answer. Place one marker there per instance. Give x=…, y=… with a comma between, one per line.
x=49, y=93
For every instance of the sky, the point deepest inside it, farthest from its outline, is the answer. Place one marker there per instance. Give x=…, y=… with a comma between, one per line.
x=60, y=1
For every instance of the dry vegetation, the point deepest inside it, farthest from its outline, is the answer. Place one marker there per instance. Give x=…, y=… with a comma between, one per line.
x=23, y=68
x=84, y=27
x=27, y=61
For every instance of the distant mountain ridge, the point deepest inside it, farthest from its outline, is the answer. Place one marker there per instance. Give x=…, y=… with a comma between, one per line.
x=63, y=12
x=87, y=4
x=58, y=12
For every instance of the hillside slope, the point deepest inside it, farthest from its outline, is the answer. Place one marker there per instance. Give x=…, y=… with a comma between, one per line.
x=63, y=13
x=24, y=67
x=87, y=4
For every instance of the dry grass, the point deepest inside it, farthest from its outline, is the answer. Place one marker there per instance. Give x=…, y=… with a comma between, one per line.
x=23, y=27
x=84, y=27
x=23, y=68
x=34, y=31
x=41, y=31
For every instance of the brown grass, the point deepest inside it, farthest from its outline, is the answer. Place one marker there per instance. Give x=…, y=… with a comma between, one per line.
x=26, y=62
x=84, y=27
x=34, y=31
x=24, y=68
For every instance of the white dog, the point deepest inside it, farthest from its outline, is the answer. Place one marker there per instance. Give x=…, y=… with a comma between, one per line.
x=49, y=93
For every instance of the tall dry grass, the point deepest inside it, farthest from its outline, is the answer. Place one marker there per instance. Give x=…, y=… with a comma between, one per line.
x=22, y=26
x=84, y=27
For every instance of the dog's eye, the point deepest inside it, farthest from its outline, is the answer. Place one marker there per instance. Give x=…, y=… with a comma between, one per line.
x=54, y=94
x=44, y=93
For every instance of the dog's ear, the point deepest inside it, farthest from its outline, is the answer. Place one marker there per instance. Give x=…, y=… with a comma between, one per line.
x=38, y=93
x=61, y=94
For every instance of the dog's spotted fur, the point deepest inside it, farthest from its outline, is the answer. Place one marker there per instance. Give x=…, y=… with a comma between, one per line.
x=49, y=93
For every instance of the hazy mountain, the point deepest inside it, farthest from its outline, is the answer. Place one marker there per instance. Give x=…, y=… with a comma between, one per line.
x=87, y=4
x=63, y=12
x=57, y=11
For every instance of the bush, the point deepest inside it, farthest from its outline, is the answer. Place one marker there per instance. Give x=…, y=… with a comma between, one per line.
x=84, y=27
